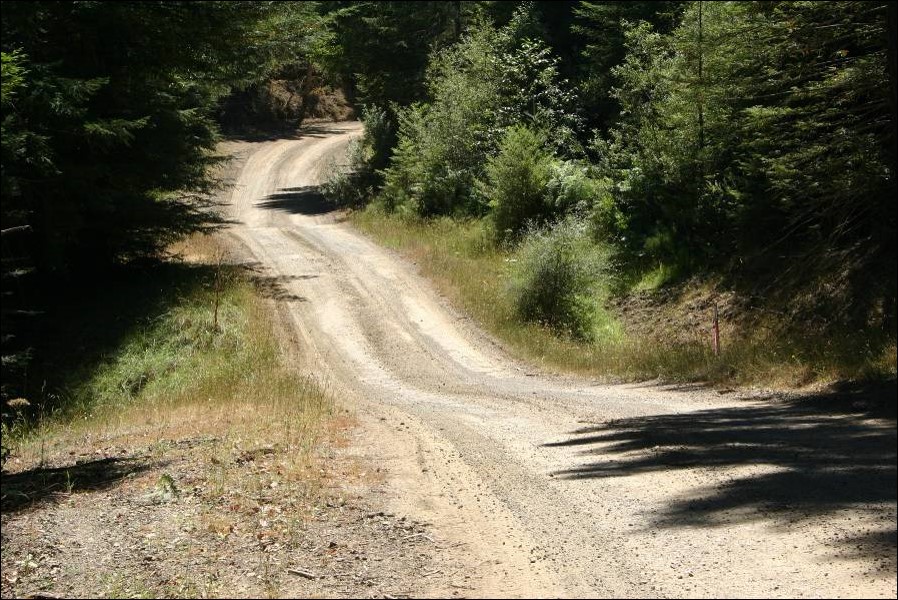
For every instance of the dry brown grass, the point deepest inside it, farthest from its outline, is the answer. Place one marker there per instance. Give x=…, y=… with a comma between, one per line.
x=467, y=268
x=230, y=389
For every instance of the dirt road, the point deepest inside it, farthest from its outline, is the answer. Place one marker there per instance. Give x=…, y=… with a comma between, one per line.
x=552, y=485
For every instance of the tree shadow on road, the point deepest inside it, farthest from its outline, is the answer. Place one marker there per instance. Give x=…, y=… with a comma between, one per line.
x=819, y=455
x=275, y=287
x=275, y=133
x=34, y=486
x=304, y=200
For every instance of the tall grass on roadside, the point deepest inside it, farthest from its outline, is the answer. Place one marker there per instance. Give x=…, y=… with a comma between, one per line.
x=492, y=283
x=172, y=374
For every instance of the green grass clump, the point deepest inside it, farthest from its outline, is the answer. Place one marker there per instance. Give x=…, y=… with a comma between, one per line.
x=191, y=347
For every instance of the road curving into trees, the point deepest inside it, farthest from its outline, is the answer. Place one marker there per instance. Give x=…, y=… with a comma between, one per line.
x=554, y=485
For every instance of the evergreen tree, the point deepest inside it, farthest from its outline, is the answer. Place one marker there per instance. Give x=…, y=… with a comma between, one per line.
x=599, y=33
x=115, y=111
x=758, y=138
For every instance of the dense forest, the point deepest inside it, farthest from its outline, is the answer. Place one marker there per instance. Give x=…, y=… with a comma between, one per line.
x=750, y=142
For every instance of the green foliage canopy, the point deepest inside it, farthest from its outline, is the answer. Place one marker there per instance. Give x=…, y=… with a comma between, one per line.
x=491, y=80
x=108, y=140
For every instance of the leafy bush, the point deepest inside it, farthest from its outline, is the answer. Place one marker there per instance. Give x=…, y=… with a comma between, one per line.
x=609, y=223
x=355, y=183
x=345, y=185
x=526, y=184
x=559, y=278
x=573, y=189
x=517, y=178
x=491, y=80
x=379, y=137
x=442, y=146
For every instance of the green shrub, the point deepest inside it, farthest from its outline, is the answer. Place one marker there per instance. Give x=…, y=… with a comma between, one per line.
x=517, y=178
x=378, y=139
x=354, y=183
x=491, y=80
x=346, y=187
x=524, y=184
x=442, y=146
x=573, y=189
x=608, y=221
x=560, y=277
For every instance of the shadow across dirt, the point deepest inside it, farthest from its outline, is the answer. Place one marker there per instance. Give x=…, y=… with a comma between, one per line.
x=283, y=132
x=821, y=455
x=25, y=489
x=304, y=200
x=275, y=288
x=321, y=130
x=269, y=134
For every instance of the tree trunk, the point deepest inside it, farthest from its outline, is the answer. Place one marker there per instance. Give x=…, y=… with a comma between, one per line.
x=892, y=32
